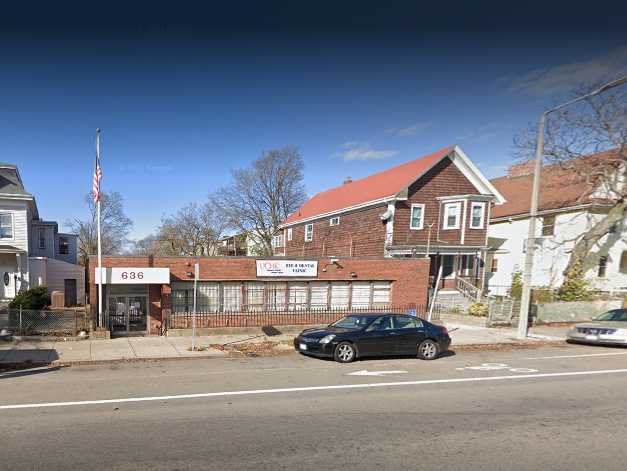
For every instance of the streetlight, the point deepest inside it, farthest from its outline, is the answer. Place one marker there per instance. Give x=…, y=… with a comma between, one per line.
x=533, y=213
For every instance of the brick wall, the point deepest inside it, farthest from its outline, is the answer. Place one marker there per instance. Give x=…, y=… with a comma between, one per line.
x=409, y=277
x=362, y=230
x=444, y=179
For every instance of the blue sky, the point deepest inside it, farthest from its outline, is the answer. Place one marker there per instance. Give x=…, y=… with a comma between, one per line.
x=178, y=112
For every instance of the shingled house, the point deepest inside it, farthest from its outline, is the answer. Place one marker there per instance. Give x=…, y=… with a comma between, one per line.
x=438, y=206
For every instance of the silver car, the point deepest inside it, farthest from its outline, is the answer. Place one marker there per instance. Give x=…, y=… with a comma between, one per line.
x=610, y=328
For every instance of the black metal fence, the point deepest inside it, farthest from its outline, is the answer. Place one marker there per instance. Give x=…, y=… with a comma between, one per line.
x=290, y=317
x=44, y=322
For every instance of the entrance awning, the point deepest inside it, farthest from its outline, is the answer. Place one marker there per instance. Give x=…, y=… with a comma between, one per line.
x=10, y=249
x=133, y=276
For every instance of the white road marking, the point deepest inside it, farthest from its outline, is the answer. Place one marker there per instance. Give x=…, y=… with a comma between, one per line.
x=576, y=356
x=376, y=373
x=308, y=389
x=496, y=367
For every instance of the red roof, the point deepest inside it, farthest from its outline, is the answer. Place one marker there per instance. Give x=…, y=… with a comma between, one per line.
x=372, y=188
x=562, y=185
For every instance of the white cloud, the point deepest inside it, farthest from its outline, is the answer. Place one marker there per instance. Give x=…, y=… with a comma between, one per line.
x=410, y=130
x=564, y=77
x=354, y=150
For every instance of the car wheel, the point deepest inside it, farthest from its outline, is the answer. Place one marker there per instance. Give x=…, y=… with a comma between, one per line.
x=344, y=352
x=428, y=350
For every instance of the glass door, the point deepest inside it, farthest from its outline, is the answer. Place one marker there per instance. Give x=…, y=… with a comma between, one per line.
x=117, y=314
x=137, y=314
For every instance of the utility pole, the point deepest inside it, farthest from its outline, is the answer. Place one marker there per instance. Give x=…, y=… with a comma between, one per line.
x=530, y=244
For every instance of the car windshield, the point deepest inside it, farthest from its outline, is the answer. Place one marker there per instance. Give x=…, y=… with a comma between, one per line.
x=352, y=322
x=613, y=315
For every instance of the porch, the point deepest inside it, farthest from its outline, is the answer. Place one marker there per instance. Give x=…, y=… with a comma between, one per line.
x=13, y=272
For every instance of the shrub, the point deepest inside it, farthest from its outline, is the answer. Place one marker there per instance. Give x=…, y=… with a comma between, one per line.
x=574, y=288
x=515, y=291
x=478, y=309
x=34, y=298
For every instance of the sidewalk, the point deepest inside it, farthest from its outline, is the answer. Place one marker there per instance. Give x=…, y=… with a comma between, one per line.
x=464, y=331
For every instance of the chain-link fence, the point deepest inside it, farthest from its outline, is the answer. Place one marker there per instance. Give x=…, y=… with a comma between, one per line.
x=44, y=322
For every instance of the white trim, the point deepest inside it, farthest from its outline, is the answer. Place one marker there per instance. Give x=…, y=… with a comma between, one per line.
x=422, y=216
x=565, y=209
x=356, y=207
x=445, y=225
x=332, y=219
x=474, y=204
x=389, y=225
x=463, y=228
x=311, y=233
x=472, y=173
x=466, y=196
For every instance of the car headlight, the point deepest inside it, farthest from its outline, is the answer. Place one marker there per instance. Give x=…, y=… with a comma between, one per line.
x=327, y=339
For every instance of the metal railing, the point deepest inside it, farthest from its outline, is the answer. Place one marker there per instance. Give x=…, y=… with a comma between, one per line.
x=44, y=322
x=290, y=317
x=468, y=290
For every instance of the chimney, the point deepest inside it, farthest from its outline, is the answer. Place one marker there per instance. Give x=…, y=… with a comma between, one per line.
x=521, y=169
x=348, y=180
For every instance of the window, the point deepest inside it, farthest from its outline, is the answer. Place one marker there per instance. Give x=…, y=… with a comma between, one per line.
x=467, y=265
x=254, y=296
x=361, y=295
x=417, y=216
x=232, y=297
x=477, y=215
x=340, y=292
x=319, y=295
x=404, y=322
x=277, y=241
x=297, y=296
x=452, y=212
x=548, y=226
x=6, y=226
x=382, y=323
x=334, y=221
x=602, y=267
x=64, y=247
x=623, y=262
x=495, y=265
x=289, y=234
x=308, y=232
x=42, y=237
x=381, y=293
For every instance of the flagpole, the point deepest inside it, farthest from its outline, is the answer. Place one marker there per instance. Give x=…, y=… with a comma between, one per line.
x=100, y=320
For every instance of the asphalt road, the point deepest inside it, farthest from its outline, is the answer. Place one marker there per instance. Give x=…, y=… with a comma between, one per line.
x=546, y=408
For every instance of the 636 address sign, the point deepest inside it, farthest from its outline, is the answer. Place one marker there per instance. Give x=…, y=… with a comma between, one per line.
x=132, y=275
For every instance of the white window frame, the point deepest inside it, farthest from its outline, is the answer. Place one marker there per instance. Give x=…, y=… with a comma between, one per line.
x=308, y=232
x=289, y=234
x=12, y=227
x=277, y=241
x=447, y=206
x=334, y=221
x=422, y=216
x=473, y=205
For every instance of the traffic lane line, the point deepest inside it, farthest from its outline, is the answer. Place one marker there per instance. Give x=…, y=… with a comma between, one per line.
x=311, y=389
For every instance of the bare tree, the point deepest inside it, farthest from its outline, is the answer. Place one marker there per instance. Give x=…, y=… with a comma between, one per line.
x=151, y=245
x=590, y=141
x=264, y=194
x=193, y=230
x=115, y=227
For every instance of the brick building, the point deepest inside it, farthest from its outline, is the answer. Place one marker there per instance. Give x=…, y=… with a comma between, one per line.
x=437, y=206
x=140, y=293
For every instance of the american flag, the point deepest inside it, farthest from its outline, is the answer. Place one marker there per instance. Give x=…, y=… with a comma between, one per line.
x=95, y=189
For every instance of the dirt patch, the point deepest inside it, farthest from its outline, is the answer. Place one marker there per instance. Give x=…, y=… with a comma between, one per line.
x=255, y=349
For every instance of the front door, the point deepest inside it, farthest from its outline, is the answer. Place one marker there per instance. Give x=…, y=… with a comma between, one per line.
x=128, y=314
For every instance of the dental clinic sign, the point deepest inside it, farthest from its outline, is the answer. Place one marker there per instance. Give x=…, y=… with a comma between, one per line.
x=287, y=268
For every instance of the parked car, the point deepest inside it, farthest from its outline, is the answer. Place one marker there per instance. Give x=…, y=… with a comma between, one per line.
x=610, y=328
x=363, y=335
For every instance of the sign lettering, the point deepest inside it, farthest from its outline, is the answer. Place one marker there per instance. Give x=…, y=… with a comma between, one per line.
x=287, y=268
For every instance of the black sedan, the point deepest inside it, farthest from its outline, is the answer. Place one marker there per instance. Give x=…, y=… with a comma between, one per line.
x=362, y=335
